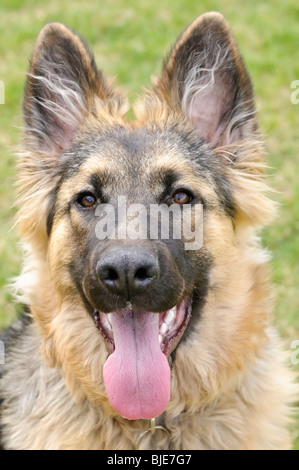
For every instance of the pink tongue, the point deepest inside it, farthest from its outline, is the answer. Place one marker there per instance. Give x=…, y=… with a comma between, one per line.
x=137, y=374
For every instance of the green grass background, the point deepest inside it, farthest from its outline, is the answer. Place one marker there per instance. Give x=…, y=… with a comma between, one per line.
x=129, y=39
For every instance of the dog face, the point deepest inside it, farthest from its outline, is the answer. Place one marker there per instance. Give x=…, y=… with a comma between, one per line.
x=194, y=147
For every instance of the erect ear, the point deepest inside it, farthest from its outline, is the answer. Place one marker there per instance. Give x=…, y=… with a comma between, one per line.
x=61, y=88
x=205, y=78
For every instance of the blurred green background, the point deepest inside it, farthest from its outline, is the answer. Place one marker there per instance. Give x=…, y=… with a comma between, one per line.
x=129, y=40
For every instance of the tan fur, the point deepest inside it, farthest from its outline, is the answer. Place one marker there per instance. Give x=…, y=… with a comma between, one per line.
x=230, y=388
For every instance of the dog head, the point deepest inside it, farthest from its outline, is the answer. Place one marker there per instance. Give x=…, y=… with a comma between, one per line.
x=139, y=223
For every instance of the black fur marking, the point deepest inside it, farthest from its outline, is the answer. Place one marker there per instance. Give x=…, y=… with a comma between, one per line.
x=225, y=194
x=212, y=168
x=168, y=179
x=198, y=302
x=97, y=181
x=51, y=210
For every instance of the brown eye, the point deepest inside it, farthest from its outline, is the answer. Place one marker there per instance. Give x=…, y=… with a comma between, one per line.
x=87, y=200
x=181, y=197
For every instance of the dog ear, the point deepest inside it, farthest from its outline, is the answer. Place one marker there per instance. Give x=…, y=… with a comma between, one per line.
x=205, y=78
x=61, y=87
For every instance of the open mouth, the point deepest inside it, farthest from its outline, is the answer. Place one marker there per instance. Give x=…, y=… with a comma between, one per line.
x=137, y=371
x=172, y=325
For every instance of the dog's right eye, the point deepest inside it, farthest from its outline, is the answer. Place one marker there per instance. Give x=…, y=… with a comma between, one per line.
x=86, y=200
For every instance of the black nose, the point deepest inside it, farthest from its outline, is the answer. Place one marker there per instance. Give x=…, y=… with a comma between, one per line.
x=127, y=272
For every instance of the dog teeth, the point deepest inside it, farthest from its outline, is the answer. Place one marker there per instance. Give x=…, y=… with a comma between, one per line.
x=166, y=326
x=106, y=321
x=170, y=317
x=109, y=316
x=163, y=329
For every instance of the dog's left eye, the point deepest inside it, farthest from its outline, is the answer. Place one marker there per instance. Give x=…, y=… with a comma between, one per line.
x=182, y=197
x=87, y=200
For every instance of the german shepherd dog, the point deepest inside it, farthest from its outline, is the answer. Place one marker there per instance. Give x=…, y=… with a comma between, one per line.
x=131, y=342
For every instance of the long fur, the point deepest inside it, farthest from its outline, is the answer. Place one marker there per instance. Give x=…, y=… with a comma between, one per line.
x=230, y=388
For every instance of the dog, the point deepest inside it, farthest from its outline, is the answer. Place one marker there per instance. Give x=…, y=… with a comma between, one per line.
x=130, y=342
